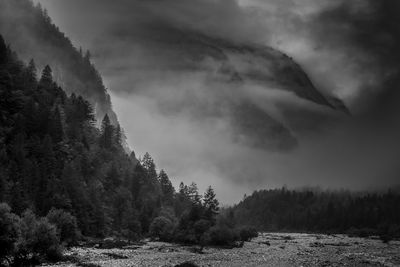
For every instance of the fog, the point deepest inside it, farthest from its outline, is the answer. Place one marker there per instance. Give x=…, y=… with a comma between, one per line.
x=344, y=47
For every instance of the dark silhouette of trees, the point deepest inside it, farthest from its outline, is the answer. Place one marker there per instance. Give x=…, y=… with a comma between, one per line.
x=321, y=211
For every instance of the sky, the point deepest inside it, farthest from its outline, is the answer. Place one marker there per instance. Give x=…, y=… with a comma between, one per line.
x=348, y=48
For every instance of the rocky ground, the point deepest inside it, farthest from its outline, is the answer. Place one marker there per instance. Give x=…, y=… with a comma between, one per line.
x=269, y=249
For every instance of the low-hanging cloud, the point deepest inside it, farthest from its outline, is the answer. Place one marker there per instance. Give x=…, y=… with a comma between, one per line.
x=346, y=47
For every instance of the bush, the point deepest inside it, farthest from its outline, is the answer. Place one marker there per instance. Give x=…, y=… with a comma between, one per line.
x=247, y=233
x=222, y=236
x=162, y=228
x=9, y=232
x=67, y=228
x=38, y=238
x=186, y=236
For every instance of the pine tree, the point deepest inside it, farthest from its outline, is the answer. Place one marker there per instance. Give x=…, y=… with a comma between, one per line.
x=194, y=195
x=107, y=133
x=47, y=76
x=183, y=191
x=210, y=203
x=167, y=189
x=32, y=71
x=118, y=135
x=149, y=165
x=3, y=50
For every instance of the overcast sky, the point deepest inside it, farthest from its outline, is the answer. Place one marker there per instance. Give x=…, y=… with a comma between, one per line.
x=349, y=49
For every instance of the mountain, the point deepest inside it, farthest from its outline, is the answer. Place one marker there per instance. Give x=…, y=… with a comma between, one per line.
x=265, y=96
x=31, y=33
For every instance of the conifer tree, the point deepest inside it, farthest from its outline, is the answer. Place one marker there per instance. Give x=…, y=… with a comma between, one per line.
x=107, y=133
x=167, y=189
x=47, y=76
x=32, y=71
x=210, y=203
x=193, y=193
x=149, y=165
x=3, y=50
x=118, y=135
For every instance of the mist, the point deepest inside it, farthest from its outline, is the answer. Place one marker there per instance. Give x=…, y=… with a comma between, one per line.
x=166, y=107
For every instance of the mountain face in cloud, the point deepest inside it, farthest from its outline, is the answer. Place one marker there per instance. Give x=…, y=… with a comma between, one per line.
x=255, y=89
x=195, y=84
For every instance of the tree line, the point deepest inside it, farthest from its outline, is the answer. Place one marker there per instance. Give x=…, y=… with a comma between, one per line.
x=360, y=214
x=58, y=170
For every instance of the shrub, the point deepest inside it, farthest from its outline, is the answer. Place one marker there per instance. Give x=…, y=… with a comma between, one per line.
x=46, y=242
x=162, y=228
x=9, y=232
x=38, y=238
x=247, y=233
x=67, y=228
x=222, y=236
x=186, y=236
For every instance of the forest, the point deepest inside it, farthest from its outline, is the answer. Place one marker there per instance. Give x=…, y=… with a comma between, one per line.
x=62, y=179
x=311, y=210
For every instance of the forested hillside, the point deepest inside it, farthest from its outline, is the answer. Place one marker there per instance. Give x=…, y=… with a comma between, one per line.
x=32, y=34
x=55, y=163
x=321, y=211
x=52, y=155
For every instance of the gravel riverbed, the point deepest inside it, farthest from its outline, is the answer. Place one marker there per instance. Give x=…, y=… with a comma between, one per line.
x=269, y=249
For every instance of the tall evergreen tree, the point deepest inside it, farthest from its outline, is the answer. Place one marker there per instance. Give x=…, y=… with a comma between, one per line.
x=107, y=133
x=193, y=192
x=149, y=165
x=118, y=135
x=3, y=50
x=210, y=203
x=32, y=71
x=167, y=189
x=47, y=76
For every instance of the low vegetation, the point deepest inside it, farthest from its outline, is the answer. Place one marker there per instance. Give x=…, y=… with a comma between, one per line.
x=28, y=240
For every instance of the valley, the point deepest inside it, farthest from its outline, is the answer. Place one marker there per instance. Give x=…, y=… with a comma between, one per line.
x=269, y=249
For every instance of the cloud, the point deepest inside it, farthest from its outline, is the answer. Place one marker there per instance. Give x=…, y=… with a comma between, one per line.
x=166, y=104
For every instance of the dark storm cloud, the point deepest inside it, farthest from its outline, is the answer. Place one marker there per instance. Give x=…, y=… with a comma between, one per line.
x=122, y=17
x=369, y=32
x=348, y=47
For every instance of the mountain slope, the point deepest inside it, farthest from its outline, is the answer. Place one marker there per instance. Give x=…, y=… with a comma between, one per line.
x=29, y=30
x=265, y=95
